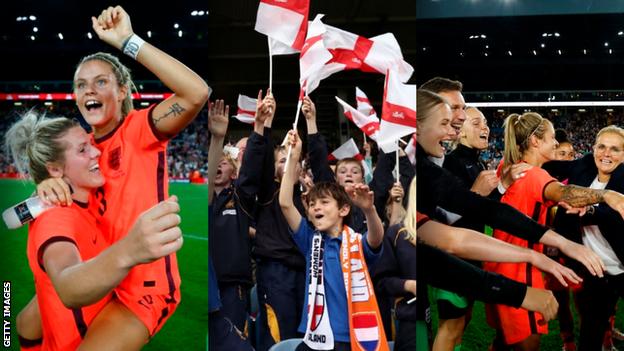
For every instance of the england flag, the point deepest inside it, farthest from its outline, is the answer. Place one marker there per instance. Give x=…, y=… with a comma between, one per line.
x=246, y=112
x=398, y=116
x=369, y=124
x=285, y=22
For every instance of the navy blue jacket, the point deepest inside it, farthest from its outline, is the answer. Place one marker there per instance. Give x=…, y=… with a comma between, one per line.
x=582, y=172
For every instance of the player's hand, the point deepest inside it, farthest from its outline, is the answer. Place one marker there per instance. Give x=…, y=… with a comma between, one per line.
x=585, y=255
x=512, y=173
x=561, y=273
x=486, y=182
x=542, y=301
x=218, y=114
x=113, y=26
x=155, y=233
x=54, y=191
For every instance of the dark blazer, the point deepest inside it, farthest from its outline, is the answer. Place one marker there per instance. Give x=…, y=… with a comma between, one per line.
x=582, y=172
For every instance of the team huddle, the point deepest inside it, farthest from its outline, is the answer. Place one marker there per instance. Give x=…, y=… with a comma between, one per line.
x=537, y=192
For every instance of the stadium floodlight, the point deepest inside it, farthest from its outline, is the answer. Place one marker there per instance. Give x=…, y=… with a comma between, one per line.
x=557, y=34
x=18, y=19
x=543, y=45
x=534, y=53
x=610, y=51
x=606, y=44
x=194, y=13
x=32, y=37
x=35, y=29
x=584, y=52
x=559, y=52
x=509, y=53
x=176, y=26
x=149, y=33
x=60, y=35
x=200, y=13
x=89, y=35
x=32, y=18
x=180, y=33
x=620, y=33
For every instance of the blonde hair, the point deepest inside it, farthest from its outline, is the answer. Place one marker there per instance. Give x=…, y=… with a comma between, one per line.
x=518, y=132
x=611, y=129
x=426, y=102
x=33, y=142
x=409, y=223
x=122, y=73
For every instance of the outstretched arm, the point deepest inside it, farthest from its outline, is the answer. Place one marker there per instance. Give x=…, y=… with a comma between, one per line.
x=288, y=183
x=155, y=234
x=469, y=244
x=169, y=117
x=217, y=125
x=363, y=198
x=578, y=196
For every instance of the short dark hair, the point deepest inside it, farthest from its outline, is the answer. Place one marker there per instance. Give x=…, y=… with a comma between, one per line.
x=440, y=84
x=561, y=136
x=333, y=190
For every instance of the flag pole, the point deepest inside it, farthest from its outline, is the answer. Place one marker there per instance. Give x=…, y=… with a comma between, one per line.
x=396, y=166
x=295, y=128
x=270, y=65
x=364, y=134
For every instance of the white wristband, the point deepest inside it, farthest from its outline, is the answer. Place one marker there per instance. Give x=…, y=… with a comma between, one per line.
x=501, y=188
x=132, y=45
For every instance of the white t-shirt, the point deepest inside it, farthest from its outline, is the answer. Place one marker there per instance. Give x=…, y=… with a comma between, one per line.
x=592, y=238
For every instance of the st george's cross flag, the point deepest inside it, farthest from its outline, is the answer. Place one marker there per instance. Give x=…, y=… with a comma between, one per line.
x=350, y=51
x=246, y=112
x=369, y=124
x=350, y=150
x=363, y=103
x=313, y=54
x=398, y=115
x=410, y=149
x=285, y=22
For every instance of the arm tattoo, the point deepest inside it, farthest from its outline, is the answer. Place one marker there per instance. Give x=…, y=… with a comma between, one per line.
x=174, y=110
x=577, y=196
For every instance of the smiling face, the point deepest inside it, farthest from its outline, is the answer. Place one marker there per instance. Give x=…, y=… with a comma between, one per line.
x=458, y=108
x=608, y=152
x=349, y=172
x=435, y=129
x=547, y=145
x=80, y=167
x=99, y=96
x=565, y=152
x=475, y=131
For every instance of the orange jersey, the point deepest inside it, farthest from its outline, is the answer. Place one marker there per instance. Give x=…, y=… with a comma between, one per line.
x=526, y=195
x=134, y=164
x=63, y=328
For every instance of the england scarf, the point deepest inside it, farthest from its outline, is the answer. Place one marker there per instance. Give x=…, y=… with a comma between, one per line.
x=365, y=325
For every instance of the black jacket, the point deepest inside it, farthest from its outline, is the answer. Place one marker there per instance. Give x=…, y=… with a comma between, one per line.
x=582, y=172
x=464, y=163
x=273, y=238
x=438, y=187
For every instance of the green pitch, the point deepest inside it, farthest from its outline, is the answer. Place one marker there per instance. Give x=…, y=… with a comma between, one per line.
x=188, y=326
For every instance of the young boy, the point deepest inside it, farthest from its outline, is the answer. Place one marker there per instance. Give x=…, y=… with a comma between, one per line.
x=336, y=259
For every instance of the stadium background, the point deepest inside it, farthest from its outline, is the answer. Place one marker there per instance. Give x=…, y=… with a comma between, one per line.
x=510, y=51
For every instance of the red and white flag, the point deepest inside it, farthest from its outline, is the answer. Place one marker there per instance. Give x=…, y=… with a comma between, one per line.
x=369, y=124
x=410, y=149
x=363, y=104
x=246, y=112
x=351, y=51
x=350, y=150
x=398, y=116
x=314, y=55
x=285, y=22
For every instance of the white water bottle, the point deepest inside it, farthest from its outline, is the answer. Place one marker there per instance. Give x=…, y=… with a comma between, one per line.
x=24, y=212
